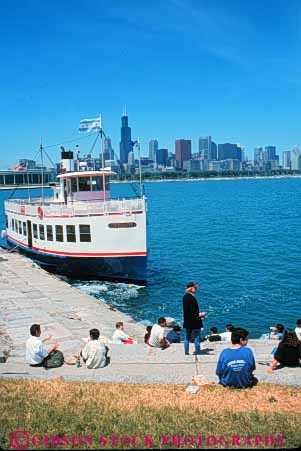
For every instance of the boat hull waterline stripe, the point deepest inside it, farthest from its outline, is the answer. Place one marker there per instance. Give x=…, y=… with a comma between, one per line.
x=77, y=254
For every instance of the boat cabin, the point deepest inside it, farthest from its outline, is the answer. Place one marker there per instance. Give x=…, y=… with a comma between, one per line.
x=85, y=186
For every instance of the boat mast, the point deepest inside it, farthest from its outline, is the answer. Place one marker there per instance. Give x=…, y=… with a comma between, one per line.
x=140, y=174
x=102, y=163
x=42, y=171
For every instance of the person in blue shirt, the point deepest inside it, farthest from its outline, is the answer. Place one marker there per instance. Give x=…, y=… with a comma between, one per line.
x=236, y=364
x=174, y=336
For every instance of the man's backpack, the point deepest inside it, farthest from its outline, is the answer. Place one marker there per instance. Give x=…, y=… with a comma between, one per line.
x=55, y=359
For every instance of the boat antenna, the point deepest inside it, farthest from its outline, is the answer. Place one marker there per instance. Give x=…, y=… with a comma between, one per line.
x=42, y=170
x=102, y=135
x=28, y=185
x=140, y=174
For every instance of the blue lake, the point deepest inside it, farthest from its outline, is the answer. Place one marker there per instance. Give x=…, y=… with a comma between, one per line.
x=239, y=239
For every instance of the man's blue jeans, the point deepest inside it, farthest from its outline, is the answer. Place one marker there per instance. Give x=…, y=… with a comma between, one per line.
x=192, y=335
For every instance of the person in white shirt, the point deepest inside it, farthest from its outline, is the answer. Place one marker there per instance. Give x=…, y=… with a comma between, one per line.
x=156, y=338
x=298, y=329
x=36, y=351
x=120, y=337
x=95, y=352
x=226, y=336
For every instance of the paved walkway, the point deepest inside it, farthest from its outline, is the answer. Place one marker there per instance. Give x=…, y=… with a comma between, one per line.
x=30, y=295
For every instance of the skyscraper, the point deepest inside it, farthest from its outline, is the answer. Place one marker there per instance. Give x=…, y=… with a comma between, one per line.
x=183, y=151
x=204, y=147
x=126, y=139
x=162, y=157
x=108, y=152
x=286, y=159
x=212, y=151
x=270, y=152
x=229, y=151
x=296, y=159
x=153, y=147
x=258, y=154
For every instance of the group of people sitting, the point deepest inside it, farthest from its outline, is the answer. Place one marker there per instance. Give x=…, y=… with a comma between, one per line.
x=235, y=366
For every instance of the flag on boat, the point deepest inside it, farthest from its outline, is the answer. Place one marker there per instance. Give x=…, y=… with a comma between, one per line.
x=90, y=125
x=22, y=166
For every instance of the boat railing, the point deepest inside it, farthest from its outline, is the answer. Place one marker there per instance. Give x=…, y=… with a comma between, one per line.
x=35, y=207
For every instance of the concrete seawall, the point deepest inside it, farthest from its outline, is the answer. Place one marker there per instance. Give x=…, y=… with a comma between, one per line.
x=30, y=295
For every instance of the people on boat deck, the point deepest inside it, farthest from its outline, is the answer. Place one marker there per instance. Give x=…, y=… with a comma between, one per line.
x=174, y=335
x=193, y=323
x=298, y=329
x=288, y=352
x=277, y=332
x=226, y=336
x=214, y=335
x=120, y=337
x=236, y=364
x=147, y=335
x=95, y=352
x=156, y=339
x=37, y=353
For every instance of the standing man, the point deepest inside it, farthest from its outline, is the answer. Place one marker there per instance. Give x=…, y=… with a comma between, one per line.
x=192, y=319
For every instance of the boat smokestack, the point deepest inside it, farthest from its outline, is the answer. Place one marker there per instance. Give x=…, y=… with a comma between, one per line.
x=67, y=160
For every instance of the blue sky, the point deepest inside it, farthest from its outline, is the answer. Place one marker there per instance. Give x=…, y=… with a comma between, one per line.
x=184, y=68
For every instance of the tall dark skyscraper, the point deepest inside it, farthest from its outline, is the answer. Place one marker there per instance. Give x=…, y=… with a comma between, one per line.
x=229, y=151
x=126, y=139
x=270, y=153
x=162, y=157
x=212, y=151
x=183, y=151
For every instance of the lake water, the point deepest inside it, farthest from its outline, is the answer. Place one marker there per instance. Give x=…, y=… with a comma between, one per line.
x=239, y=240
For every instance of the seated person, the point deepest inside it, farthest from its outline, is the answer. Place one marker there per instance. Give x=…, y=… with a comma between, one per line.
x=174, y=335
x=288, y=352
x=37, y=354
x=95, y=352
x=277, y=332
x=156, y=339
x=236, y=364
x=298, y=329
x=147, y=335
x=226, y=336
x=214, y=336
x=120, y=337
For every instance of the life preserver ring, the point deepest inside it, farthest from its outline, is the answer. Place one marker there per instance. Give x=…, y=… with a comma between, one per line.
x=40, y=212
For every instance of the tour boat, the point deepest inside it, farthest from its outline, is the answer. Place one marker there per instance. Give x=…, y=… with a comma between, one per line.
x=80, y=231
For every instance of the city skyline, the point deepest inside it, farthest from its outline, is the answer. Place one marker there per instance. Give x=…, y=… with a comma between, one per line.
x=216, y=68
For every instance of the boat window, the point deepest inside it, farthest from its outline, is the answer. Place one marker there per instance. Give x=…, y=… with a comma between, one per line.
x=35, y=230
x=84, y=183
x=24, y=229
x=97, y=184
x=84, y=233
x=59, y=233
x=71, y=238
x=13, y=224
x=49, y=233
x=6, y=221
x=74, y=184
x=42, y=232
x=122, y=225
x=20, y=227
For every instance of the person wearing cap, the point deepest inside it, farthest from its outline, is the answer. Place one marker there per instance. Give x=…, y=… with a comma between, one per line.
x=192, y=318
